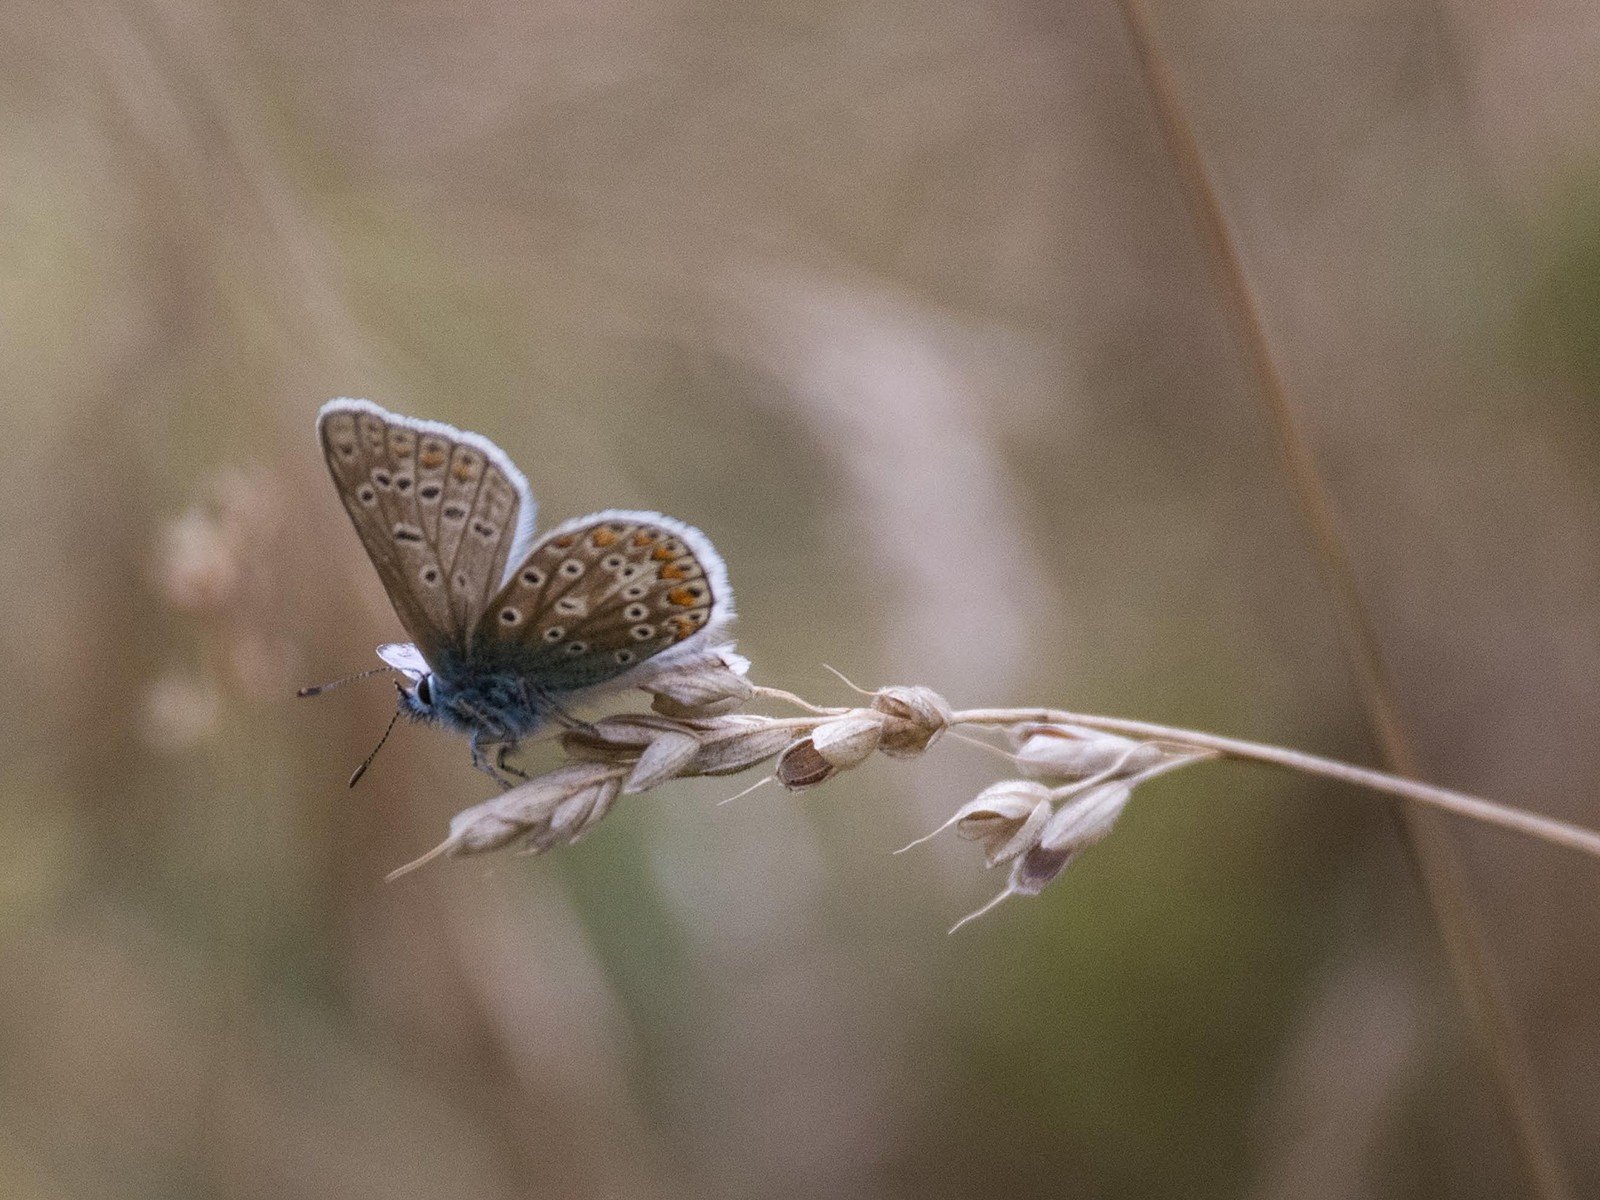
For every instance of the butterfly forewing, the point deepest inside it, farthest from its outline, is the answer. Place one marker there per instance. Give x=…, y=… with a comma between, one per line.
x=597, y=597
x=436, y=511
x=477, y=521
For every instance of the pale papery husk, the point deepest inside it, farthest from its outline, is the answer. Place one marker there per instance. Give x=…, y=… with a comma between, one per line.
x=917, y=718
x=1069, y=752
x=850, y=740
x=530, y=809
x=737, y=743
x=1088, y=819
x=667, y=755
x=801, y=767
x=708, y=685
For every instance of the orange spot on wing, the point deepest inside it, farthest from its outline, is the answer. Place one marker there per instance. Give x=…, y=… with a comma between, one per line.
x=431, y=458
x=684, y=626
x=643, y=538
x=673, y=571
x=565, y=540
x=400, y=449
x=681, y=596
x=603, y=538
x=662, y=554
x=464, y=472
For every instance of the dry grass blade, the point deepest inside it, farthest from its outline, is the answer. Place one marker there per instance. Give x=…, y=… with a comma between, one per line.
x=1427, y=842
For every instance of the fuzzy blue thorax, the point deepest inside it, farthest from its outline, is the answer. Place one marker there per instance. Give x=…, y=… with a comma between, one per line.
x=488, y=706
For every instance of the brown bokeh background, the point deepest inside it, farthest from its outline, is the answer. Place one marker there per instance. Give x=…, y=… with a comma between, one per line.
x=904, y=304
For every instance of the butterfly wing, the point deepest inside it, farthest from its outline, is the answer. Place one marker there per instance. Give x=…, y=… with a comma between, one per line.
x=598, y=597
x=439, y=511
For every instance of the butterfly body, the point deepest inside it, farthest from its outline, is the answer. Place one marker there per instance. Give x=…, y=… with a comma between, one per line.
x=507, y=627
x=490, y=706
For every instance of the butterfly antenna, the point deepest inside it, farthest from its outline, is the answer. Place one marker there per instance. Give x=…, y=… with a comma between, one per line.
x=356, y=775
x=318, y=688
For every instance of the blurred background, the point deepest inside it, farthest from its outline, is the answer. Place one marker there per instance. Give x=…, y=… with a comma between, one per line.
x=905, y=305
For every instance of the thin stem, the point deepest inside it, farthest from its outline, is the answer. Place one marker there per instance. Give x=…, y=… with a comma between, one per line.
x=772, y=693
x=1460, y=803
x=1099, y=777
x=1429, y=844
x=983, y=745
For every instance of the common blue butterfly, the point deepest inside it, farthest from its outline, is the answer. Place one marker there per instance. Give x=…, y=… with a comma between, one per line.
x=505, y=626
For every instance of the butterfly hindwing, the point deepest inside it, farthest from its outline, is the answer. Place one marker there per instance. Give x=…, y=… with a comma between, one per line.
x=596, y=597
x=439, y=512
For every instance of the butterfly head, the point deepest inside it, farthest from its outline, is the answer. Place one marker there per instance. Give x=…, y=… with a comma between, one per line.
x=419, y=694
x=419, y=698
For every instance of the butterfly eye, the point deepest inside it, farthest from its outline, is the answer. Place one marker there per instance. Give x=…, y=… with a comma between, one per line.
x=425, y=692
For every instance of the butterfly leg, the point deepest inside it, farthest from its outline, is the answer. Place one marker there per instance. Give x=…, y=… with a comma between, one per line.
x=544, y=702
x=480, y=759
x=501, y=763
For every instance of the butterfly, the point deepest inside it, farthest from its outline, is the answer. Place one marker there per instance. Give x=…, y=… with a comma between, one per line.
x=506, y=626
